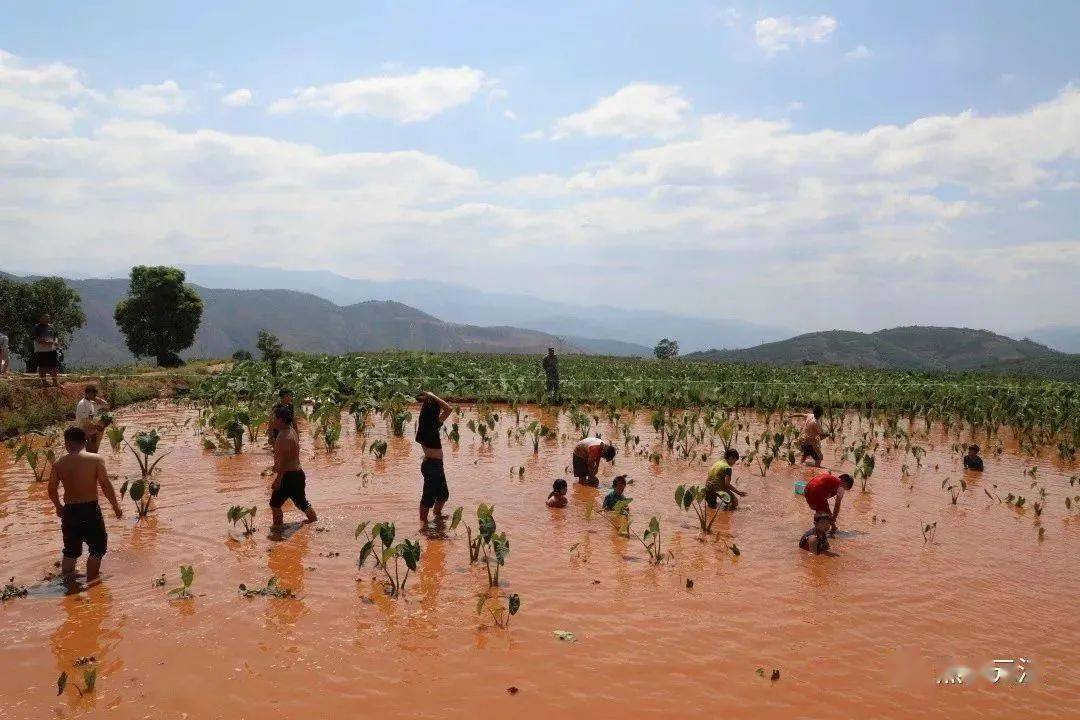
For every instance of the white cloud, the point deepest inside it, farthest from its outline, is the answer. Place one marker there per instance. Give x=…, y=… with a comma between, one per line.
x=795, y=106
x=150, y=100
x=509, y=114
x=778, y=34
x=40, y=99
x=238, y=98
x=859, y=52
x=786, y=210
x=636, y=110
x=404, y=98
x=533, y=136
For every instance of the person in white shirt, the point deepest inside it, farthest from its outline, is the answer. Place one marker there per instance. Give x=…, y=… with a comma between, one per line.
x=88, y=417
x=5, y=354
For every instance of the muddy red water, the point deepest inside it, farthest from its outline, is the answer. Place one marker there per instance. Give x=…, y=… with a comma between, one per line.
x=868, y=633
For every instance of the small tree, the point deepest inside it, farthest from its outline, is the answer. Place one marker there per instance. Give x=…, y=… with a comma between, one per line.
x=666, y=349
x=22, y=303
x=242, y=356
x=160, y=316
x=271, y=349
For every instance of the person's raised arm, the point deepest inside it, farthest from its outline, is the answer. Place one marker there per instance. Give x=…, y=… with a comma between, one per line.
x=446, y=408
x=54, y=492
x=106, y=487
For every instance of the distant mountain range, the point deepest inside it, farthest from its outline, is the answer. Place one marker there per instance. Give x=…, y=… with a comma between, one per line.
x=1065, y=338
x=910, y=348
x=232, y=318
x=635, y=331
x=311, y=322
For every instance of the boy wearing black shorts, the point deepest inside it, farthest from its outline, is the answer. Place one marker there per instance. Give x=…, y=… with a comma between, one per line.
x=82, y=474
x=290, y=483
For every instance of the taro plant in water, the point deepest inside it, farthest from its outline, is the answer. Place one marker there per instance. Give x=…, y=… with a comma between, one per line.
x=407, y=551
x=378, y=448
x=187, y=576
x=39, y=459
x=928, y=531
x=488, y=545
x=141, y=491
x=499, y=614
x=238, y=514
x=694, y=497
x=955, y=491
x=146, y=444
x=89, y=682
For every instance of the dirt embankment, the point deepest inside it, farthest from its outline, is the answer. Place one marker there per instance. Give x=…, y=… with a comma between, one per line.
x=27, y=406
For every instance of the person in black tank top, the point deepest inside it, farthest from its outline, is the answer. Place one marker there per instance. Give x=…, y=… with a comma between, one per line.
x=433, y=413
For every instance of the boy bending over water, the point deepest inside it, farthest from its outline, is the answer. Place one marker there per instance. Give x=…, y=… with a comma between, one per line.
x=81, y=473
x=816, y=539
x=719, y=481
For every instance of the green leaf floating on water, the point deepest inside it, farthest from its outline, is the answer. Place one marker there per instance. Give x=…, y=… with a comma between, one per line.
x=565, y=635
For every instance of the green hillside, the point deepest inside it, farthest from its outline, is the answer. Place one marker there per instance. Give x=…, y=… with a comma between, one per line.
x=910, y=348
x=232, y=318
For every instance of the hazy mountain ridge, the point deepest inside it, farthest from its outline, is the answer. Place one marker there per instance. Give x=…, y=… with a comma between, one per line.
x=462, y=304
x=232, y=318
x=910, y=348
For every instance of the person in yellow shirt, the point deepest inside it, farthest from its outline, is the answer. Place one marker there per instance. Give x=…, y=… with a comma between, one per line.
x=720, y=483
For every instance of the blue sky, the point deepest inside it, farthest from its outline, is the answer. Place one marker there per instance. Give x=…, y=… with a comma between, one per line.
x=727, y=159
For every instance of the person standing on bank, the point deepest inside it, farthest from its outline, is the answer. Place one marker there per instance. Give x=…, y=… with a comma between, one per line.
x=5, y=354
x=551, y=371
x=433, y=413
x=46, y=349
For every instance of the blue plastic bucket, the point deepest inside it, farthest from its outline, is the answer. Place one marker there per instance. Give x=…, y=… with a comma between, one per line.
x=800, y=487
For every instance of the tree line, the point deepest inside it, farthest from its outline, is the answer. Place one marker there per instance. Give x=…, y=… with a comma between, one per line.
x=158, y=318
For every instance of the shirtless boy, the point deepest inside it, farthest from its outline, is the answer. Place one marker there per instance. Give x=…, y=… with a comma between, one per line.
x=81, y=473
x=289, y=479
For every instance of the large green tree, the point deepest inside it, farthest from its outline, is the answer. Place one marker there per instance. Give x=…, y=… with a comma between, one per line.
x=666, y=349
x=22, y=303
x=160, y=315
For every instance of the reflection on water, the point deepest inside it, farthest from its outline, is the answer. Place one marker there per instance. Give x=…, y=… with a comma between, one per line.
x=85, y=637
x=647, y=646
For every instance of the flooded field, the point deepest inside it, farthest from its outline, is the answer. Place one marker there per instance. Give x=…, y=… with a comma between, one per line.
x=866, y=634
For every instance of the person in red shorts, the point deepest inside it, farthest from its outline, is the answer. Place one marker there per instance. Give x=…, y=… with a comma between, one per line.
x=825, y=486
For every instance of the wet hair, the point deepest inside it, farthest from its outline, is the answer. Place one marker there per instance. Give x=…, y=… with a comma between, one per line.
x=75, y=435
x=284, y=413
x=731, y=455
x=556, y=487
x=608, y=453
x=974, y=449
x=619, y=480
x=847, y=480
x=818, y=411
x=283, y=392
x=822, y=515
x=92, y=389
x=429, y=413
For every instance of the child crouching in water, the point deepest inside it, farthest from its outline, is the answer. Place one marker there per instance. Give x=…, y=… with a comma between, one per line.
x=816, y=539
x=557, y=497
x=618, y=488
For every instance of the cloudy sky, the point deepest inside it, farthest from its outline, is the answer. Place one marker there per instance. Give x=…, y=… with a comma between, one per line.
x=812, y=164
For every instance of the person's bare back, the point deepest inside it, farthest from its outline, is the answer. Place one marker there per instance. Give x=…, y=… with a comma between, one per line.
x=81, y=474
x=287, y=451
